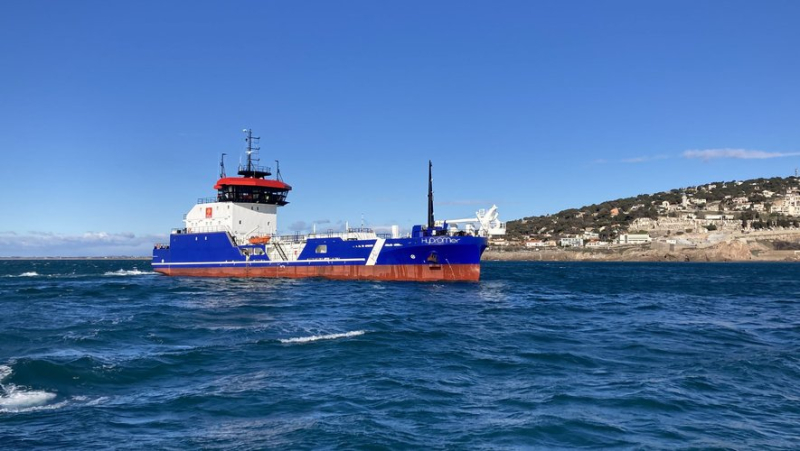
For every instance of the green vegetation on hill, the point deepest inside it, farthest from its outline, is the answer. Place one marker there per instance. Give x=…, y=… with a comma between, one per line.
x=610, y=218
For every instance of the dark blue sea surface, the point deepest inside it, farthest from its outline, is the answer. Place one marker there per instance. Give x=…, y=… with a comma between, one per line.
x=107, y=354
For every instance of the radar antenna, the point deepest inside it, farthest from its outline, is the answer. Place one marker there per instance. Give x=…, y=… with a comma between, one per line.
x=251, y=167
x=251, y=147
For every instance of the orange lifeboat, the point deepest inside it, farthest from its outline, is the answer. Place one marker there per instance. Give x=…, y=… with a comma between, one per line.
x=260, y=239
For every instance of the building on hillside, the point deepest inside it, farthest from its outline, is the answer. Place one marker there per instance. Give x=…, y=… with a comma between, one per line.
x=571, y=242
x=588, y=236
x=643, y=224
x=788, y=205
x=536, y=243
x=634, y=238
x=596, y=244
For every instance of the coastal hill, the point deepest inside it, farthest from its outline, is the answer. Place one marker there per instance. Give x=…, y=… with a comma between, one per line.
x=756, y=204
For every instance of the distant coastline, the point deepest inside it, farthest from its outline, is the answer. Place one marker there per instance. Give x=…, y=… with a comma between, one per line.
x=727, y=251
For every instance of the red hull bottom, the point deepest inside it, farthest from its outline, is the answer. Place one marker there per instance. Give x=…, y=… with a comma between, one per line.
x=418, y=273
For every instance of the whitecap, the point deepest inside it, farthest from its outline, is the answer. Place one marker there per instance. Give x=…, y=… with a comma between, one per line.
x=5, y=371
x=19, y=400
x=354, y=333
x=128, y=272
x=25, y=274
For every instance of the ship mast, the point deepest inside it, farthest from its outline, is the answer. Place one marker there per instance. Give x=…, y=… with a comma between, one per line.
x=430, y=195
x=250, y=148
x=251, y=169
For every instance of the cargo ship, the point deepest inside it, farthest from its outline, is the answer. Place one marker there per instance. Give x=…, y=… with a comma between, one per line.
x=235, y=234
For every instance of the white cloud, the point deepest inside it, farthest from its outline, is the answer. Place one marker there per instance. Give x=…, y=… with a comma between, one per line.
x=644, y=159
x=742, y=154
x=89, y=244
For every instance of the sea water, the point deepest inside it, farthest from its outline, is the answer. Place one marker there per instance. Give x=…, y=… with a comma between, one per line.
x=108, y=354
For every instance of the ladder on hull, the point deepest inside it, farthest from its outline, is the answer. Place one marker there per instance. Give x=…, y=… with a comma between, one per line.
x=281, y=252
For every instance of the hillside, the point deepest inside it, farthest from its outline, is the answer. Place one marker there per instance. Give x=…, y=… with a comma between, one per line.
x=754, y=204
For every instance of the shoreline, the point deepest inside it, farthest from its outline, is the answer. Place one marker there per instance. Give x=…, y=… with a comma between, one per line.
x=736, y=251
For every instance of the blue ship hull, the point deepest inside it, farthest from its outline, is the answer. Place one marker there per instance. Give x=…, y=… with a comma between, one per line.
x=413, y=258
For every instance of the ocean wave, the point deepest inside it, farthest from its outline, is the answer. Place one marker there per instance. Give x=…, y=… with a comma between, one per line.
x=20, y=399
x=353, y=333
x=25, y=274
x=5, y=371
x=128, y=272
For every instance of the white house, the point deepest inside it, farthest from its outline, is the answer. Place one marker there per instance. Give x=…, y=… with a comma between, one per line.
x=591, y=236
x=634, y=238
x=571, y=242
x=535, y=243
x=789, y=205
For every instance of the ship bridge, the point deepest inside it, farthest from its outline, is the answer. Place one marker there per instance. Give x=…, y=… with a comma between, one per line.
x=252, y=190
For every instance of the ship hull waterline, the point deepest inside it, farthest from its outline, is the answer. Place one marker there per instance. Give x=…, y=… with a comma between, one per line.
x=427, y=273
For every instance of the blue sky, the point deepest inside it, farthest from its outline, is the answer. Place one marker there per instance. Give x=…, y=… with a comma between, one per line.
x=113, y=114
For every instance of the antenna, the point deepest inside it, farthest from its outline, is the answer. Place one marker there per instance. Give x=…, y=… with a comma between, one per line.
x=222, y=166
x=251, y=148
x=430, y=195
x=278, y=175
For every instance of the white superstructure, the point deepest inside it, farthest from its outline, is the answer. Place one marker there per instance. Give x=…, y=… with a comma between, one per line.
x=487, y=220
x=241, y=220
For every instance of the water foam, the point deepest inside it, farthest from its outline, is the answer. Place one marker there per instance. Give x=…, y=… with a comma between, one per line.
x=5, y=371
x=25, y=274
x=353, y=333
x=17, y=399
x=128, y=272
